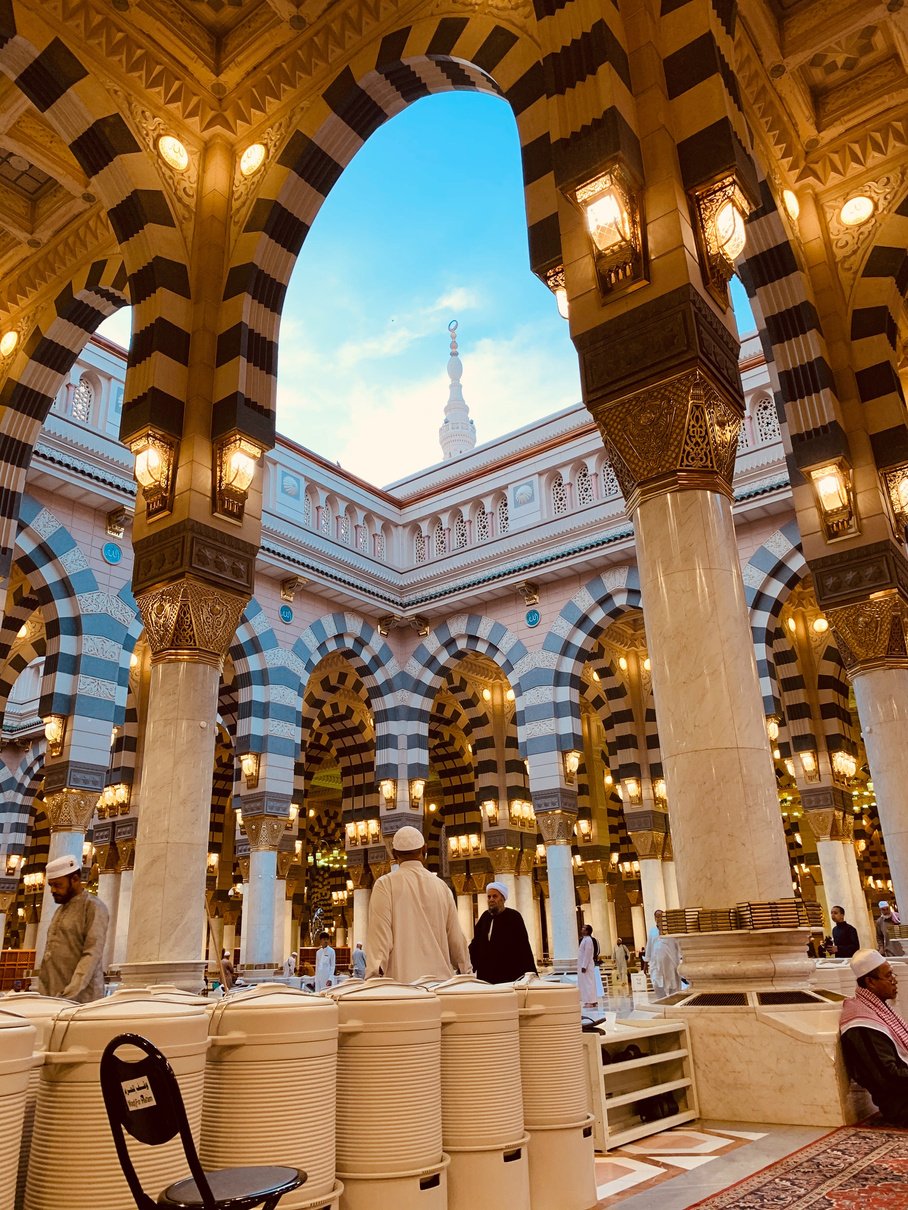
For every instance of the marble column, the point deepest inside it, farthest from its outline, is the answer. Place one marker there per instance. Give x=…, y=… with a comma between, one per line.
x=602, y=926
x=109, y=893
x=124, y=909
x=612, y=921
x=638, y=922
x=465, y=914
x=361, y=897
x=670, y=882
x=265, y=831
x=556, y=827
x=653, y=889
x=278, y=941
x=549, y=926
x=229, y=940
x=69, y=814
x=881, y=695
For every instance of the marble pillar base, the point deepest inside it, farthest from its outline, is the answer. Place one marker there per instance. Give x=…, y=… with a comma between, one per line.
x=188, y=976
x=739, y=960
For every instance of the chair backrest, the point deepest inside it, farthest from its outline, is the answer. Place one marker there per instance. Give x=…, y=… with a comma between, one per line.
x=143, y=1098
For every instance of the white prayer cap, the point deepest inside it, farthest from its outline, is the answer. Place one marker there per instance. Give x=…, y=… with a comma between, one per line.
x=499, y=887
x=61, y=866
x=408, y=839
x=883, y=903
x=865, y=961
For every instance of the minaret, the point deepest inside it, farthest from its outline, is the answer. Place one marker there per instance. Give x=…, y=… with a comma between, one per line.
x=458, y=433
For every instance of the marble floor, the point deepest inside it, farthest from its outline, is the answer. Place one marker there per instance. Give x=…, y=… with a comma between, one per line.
x=678, y=1168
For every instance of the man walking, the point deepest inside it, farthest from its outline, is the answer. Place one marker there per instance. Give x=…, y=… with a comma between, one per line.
x=359, y=961
x=414, y=932
x=883, y=923
x=73, y=963
x=620, y=957
x=500, y=949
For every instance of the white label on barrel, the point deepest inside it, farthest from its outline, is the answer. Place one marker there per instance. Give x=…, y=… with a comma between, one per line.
x=138, y=1094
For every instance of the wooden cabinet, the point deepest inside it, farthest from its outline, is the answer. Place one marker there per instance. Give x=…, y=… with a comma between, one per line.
x=618, y=1084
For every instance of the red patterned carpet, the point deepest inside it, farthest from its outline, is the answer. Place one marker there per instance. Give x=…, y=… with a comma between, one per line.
x=851, y=1169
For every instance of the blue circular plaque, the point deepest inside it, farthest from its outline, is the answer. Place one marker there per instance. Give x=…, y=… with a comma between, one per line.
x=286, y=613
x=533, y=617
x=111, y=553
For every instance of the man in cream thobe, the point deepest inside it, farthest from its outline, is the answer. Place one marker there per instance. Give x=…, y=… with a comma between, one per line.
x=73, y=962
x=414, y=932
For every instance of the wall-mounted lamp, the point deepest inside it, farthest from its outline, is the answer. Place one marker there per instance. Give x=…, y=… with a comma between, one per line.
x=720, y=211
x=833, y=490
x=772, y=728
x=571, y=765
x=252, y=159
x=9, y=342
x=155, y=455
x=844, y=767
x=611, y=210
x=584, y=829
x=212, y=863
x=895, y=480
x=250, y=763
x=659, y=791
x=388, y=791
x=540, y=852
x=55, y=733
x=632, y=790
x=554, y=279
x=235, y=461
x=417, y=790
x=490, y=811
x=14, y=863
x=809, y=765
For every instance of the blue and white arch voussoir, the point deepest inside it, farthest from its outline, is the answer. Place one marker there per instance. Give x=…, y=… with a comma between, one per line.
x=465, y=634
x=552, y=691
x=266, y=691
x=377, y=667
x=769, y=576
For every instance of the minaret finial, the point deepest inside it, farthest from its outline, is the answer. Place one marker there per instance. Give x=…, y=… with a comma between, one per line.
x=458, y=434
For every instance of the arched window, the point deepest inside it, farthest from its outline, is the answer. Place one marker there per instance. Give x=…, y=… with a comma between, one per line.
x=379, y=537
x=610, y=485
x=460, y=531
x=344, y=527
x=420, y=546
x=559, y=496
x=743, y=439
x=766, y=421
x=307, y=510
x=324, y=519
x=502, y=515
x=583, y=484
x=482, y=526
x=440, y=540
x=362, y=536
x=83, y=397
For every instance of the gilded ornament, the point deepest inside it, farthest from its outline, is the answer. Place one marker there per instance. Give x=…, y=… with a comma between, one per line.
x=69, y=810
x=265, y=832
x=556, y=827
x=872, y=634
x=649, y=844
x=504, y=861
x=190, y=620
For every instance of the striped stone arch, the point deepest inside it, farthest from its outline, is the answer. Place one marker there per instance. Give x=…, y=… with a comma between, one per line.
x=130, y=182
x=800, y=724
x=835, y=711
x=20, y=656
x=788, y=323
x=769, y=576
x=267, y=691
x=373, y=661
x=465, y=634
x=30, y=380
x=123, y=750
x=553, y=720
x=877, y=312
x=345, y=726
x=222, y=783
x=610, y=699
x=434, y=55
x=477, y=727
x=453, y=766
x=18, y=788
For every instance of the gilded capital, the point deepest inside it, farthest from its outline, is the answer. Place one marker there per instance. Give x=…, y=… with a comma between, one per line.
x=459, y=882
x=504, y=861
x=557, y=827
x=825, y=823
x=265, y=832
x=872, y=633
x=70, y=810
x=190, y=620
x=681, y=433
x=649, y=844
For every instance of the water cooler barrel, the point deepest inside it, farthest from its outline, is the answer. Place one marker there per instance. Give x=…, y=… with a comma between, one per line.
x=481, y=1098
x=389, y=1148
x=41, y=1011
x=72, y=1135
x=272, y=1066
x=555, y=1104
x=17, y=1047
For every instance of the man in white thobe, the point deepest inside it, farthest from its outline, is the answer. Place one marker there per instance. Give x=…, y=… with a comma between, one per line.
x=586, y=970
x=324, y=964
x=414, y=932
x=663, y=957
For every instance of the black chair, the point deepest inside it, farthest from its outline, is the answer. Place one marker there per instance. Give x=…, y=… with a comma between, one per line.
x=143, y=1098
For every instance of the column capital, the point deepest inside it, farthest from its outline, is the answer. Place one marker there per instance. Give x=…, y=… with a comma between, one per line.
x=556, y=826
x=190, y=620
x=680, y=433
x=265, y=832
x=70, y=810
x=650, y=844
x=504, y=861
x=871, y=634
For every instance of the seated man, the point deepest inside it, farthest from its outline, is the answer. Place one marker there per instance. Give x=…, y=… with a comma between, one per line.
x=875, y=1037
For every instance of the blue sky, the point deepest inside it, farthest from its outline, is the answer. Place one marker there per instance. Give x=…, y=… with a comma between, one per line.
x=427, y=224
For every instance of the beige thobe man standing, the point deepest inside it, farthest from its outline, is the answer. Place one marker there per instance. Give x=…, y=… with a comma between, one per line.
x=414, y=932
x=73, y=963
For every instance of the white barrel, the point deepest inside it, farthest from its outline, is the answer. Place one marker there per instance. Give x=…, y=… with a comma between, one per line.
x=272, y=1065
x=72, y=1135
x=480, y=1049
x=563, y=1167
x=17, y=1046
x=388, y=1079
x=551, y=1054
x=41, y=1011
